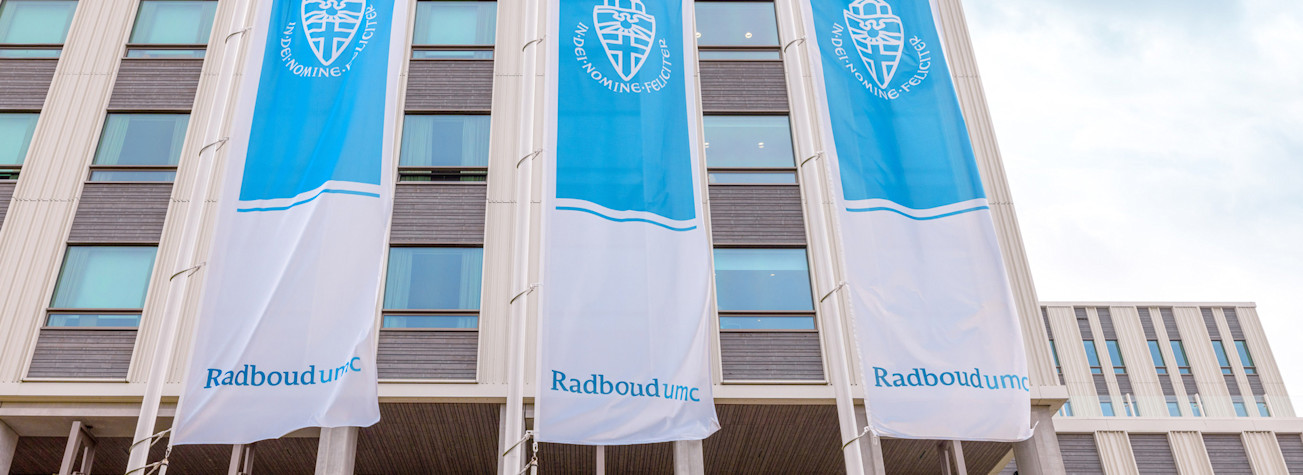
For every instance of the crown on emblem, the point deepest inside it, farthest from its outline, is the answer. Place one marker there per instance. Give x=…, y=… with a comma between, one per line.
x=880, y=7
x=635, y=5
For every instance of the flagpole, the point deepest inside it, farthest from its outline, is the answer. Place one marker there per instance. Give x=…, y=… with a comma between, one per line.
x=514, y=426
x=823, y=230
x=178, y=282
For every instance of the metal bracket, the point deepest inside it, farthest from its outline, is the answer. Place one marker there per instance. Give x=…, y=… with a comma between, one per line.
x=219, y=143
x=530, y=42
x=527, y=157
x=522, y=293
x=839, y=286
x=811, y=157
x=234, y=33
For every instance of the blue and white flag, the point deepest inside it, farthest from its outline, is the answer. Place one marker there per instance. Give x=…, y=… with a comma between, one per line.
x=285, y=337
x=935, y=322
x=625, y=302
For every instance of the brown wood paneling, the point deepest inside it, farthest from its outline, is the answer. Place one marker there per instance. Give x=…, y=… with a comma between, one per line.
x=1291, y=446
x=760, y=355
x=438, y=213
x=759, y=86
x=449, y=85
x=430, y=438
x=983, y=457
x=121, y=212
x=762, y=439
x=566, y=458
x=427, y=354
x=1079, y=454
x=24, y=82
x=156, y=84
x=641, y=458
x=6, y=192
x=756, y=214
x=1226, y=451
x=67, y=353
x=1153, y=454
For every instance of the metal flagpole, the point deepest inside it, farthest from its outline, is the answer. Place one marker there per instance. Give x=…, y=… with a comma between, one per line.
x=811, y=150
x=514, y=427
x=179, y=281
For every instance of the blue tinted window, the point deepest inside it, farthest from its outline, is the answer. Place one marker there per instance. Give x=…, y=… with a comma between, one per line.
x=1107, y=408
x=1054, y=351
x=92, y=321
x=1262, y=406
x=755, y=141
x=445, y=141
x=130, y=140
x=762, y=279
x=455, y=23
x=1194, y=408
x=1245, y=358
x=736, y=24
x=15, y=136
x=729, y=322
x=1178, y=352
x=1115, y=354
x=1240, y=410
x=430, y=321
x=1222, y=360
x=173, y=22
x=434, y=278
x=1157, y=355
x=1092, y=356
x=104, y=277
x=1173, y=409
x=1066, y=410
x=34, y=22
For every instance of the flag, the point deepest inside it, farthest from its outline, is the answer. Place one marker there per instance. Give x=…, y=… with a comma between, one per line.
x=285, y=337
x=625, y=297
x=939, y=341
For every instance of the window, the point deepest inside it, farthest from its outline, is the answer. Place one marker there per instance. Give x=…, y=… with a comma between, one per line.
x=1157, y=356
x=444, y=148
x=172, y=29
x=1245, y=359
x=1178, y=352
x=1115, y=354
x=1240, y=409
x=34, y=28
x=1106, y=406
x=1222, y=360
x=15, y=136
x=1126, y=406
x=433, y=287
x=1173, y=407
x=1092, y=356
x=139, y=147
x=454, y=30
x=1194, y=406
x=763, y=289
x=1262, y=406
x=737, y=30
x=107, y=283
x=749, y=149
x=1066, y=410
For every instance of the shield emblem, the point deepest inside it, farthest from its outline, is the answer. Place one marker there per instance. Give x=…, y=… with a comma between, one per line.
x=626, y=31
x=878, y=35
x=330, y=26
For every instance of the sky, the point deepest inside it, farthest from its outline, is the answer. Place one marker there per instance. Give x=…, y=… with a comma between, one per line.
x=1155, y=150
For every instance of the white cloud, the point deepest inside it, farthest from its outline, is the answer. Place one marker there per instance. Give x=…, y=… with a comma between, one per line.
x=1155, y=150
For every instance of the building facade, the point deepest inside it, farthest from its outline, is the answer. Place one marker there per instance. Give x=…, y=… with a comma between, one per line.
x=103, y=104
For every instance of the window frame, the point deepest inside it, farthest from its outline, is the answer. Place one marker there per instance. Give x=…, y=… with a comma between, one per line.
x=418, y=47
x=1156, y=356
x=442, y=312
x=1096, y=366
x=99, y=139
x=51, y=310
x=777, y=49
x=794, y=170
x=1246, y=357
x=57, y=48
x=1115, y=356
x=1223, y=359
x=200, y=48
x=10, y=172
x=721, y=313
x=479, y=173
x=1178, y=352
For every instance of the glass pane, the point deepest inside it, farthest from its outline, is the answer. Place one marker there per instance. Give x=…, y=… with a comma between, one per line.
x=736, y=24
x=710, y=55
x=104, y=277
x=431, y=321
x=434, y=278
x=165, y=53
x=83, y=320
x=766, y=323
x=35, y=21
x=1107, y=408
x=446, y=54
x=748, y=141
x=1178, y=352
x=1240, y=345
x=131, y=175
x=455, y=23
x=1054, y=350
x=762, y=279
x=29, y=53
x=142, y=139
x=731, y=177
x=1194, y=409
x=1173, y=409
x=15, y=136
x=1155, y=354
x=1092, y=356
x=445, y=141
x=1220, y=351
x=1240, y=410
x=1067, y=409
x=1114, y=353
x=177, y=22
x=1262, y=409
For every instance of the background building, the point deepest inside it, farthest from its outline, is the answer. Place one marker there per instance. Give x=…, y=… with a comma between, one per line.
x=102, y=108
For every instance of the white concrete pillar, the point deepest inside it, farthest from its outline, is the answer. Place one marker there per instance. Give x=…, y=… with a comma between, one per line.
x=241, y=460
x=1189, y=452
x=1115, y=452
x=8, y=445
x=1040, y=454
x=1264, y=452
x=688, y=458
x=336, y=451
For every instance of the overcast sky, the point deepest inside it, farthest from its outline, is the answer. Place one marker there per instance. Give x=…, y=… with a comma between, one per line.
x=1155, y=150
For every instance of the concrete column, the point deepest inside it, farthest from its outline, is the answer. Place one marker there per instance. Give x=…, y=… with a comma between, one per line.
x=688, y=459
x=241, y=460
x=336, y=451
x=1264, y=452
x=8, y=445
x=1189, y=452
x=1115, y=452
x=1040, y=454
x=601, y=460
